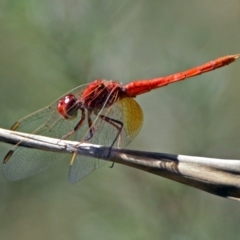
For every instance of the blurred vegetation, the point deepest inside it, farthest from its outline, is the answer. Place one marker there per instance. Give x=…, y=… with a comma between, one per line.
x=49, y=47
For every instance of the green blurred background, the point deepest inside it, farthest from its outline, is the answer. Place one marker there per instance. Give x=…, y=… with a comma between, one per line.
x=50, y=47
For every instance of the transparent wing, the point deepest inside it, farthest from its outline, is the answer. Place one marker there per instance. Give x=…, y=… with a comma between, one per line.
x=24, y=162
x=128, y=112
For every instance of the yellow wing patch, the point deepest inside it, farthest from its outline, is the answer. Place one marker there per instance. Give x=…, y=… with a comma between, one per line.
x=132, y=117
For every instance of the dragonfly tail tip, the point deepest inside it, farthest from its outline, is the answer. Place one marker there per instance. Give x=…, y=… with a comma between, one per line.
x=236, y=56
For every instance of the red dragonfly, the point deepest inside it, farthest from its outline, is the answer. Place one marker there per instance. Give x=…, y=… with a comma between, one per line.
x=108, y=116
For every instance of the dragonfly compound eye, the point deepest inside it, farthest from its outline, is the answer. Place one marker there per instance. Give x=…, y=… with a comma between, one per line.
x=68, y=107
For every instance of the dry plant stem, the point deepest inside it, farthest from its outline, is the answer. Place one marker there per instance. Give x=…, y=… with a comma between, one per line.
x=217, y=176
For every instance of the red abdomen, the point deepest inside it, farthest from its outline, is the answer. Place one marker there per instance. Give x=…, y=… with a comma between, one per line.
x=138, y=87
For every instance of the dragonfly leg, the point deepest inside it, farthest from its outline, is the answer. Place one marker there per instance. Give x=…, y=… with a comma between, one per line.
x=79, y=124
x=91, y=128
x=112, y=165
x=114, y=123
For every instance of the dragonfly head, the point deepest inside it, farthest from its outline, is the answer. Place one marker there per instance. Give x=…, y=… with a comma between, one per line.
x=68, y=106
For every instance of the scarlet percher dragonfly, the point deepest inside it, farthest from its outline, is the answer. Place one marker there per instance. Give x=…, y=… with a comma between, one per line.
x=108, y=116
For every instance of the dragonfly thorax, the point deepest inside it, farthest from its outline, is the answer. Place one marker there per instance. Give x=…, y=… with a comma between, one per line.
x=100, y=94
